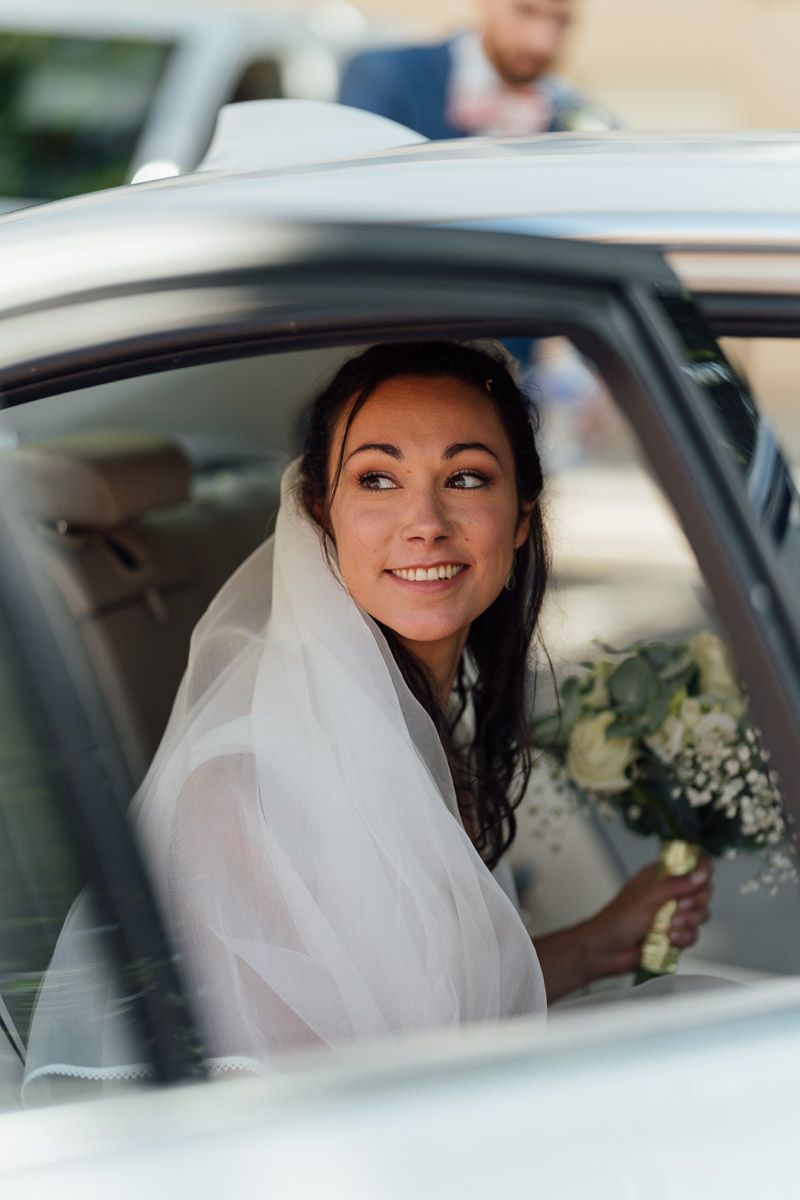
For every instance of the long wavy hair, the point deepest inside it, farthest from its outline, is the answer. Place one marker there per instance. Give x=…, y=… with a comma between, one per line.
x=490, y=770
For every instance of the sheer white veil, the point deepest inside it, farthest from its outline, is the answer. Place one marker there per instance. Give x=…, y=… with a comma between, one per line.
x=301, y=828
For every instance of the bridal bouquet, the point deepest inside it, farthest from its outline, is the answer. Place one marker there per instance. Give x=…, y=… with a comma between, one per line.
x=659, y=732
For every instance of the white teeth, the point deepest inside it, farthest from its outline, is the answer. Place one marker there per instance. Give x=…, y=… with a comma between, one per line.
x=429, y=574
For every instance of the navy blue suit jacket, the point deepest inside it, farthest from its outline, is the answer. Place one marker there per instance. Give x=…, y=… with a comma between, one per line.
x=409, y=84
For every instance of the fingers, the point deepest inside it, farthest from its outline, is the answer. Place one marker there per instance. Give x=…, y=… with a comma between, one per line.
x=693, y=888
x=692, y=894
x=684, y=927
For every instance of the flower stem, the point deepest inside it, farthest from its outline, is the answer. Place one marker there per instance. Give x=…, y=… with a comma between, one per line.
x=641, y=975
x=645, y=798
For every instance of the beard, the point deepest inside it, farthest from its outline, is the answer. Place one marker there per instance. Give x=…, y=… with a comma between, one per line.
x=515, y=69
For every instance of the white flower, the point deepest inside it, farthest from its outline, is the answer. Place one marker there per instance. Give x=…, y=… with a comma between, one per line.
x=668, y=739
x=595, y=762
x=714, y=732
x=717, y=677
x=691, y=712
x=698, y=799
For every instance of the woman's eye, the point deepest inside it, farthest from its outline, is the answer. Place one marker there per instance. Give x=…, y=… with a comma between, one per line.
x=376, y=481
x=467, y=480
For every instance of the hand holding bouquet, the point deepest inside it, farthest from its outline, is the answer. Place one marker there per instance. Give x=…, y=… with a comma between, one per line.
x=660, y=733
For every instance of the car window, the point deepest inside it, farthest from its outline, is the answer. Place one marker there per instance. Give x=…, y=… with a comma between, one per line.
x=760, y=440
x=771, y=368
x=72, y=110
x=623, y=572
x=261, y=79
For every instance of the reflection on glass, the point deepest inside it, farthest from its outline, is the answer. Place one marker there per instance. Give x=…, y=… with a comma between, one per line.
x=72, y=111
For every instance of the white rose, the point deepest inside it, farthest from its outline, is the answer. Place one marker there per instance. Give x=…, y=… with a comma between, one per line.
x=717, y=676
x=714, y=732
x=596, y=762
x=668, y=739
x=691, y=712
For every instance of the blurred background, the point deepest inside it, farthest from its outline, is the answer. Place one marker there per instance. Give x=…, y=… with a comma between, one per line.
x=688, y=64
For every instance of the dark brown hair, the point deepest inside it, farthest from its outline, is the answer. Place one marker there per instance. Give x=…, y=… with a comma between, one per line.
x=491, y=772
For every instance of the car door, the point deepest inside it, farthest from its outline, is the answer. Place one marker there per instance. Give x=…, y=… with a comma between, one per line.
x=188, y=299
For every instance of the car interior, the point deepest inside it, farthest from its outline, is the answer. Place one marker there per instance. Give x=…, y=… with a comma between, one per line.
x=140, y=496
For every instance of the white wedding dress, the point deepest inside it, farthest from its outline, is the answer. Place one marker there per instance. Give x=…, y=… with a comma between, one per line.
x=301, y=829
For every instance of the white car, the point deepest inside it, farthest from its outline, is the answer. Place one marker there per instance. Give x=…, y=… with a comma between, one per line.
x=160, y=343
x=94, y=95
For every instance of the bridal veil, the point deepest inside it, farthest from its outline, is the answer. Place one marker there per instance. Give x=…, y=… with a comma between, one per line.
x=300, y=825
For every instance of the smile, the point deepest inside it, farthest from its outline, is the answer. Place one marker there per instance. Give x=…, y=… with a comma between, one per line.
x=429, y=574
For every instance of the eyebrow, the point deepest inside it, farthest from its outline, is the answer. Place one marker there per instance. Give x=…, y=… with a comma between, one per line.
x=458, y=448
x=385, y=447
x=395, y=452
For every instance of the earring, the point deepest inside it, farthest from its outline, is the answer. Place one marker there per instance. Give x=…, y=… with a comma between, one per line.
x=511, y=581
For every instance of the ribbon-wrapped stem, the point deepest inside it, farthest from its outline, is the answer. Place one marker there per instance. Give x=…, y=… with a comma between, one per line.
x=658, y=955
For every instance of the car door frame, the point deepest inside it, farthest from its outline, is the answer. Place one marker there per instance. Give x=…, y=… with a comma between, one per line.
x=307, y=286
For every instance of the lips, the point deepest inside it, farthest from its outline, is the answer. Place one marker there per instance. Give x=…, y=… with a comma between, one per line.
x=430, y=574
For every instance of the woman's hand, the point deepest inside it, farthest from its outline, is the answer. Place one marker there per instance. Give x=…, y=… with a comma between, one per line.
x=609, y=943
x=615, y=934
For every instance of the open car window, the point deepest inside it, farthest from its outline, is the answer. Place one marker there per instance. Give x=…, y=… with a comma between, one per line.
x=624, y=571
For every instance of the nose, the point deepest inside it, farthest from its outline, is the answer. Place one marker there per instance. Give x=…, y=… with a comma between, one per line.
x=427, y=520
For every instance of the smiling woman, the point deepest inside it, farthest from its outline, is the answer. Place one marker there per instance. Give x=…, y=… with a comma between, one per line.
x=424, y=456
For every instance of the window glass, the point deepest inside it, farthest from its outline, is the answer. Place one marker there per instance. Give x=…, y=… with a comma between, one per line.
x=261, y=79
x=771, y=367
x=42, y=879
x=72, y=110
x=747, y=433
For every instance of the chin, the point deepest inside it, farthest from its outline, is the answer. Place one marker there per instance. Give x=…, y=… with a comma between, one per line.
x=424, y=633
x=526, y=74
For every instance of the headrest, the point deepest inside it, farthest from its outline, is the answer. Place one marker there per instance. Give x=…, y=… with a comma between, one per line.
x=98, y=479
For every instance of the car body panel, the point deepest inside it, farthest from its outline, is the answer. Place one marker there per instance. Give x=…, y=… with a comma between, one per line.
x=701, y=1086
x=729, y=195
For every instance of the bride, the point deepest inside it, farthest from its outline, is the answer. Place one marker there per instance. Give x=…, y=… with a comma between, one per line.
x=337, y=782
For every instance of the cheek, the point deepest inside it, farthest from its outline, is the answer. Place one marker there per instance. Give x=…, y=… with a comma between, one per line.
x=493, y=531
x=361, y=535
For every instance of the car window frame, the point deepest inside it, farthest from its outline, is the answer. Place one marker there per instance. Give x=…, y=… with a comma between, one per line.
x=347, y=285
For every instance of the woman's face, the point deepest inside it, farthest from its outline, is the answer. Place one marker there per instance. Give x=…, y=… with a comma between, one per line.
x=426, y=515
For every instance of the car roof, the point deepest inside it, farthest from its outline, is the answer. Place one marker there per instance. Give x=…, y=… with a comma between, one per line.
x=705, y=200
x=145, y=18
x=660, y=189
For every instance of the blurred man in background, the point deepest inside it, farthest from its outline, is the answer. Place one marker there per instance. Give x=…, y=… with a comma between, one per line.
x=495, y=79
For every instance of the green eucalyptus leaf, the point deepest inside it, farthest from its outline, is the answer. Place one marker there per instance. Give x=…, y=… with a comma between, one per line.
x=633, y=685
x=660, y=655
x=682, y=664
x=626, y=726
x=656, y=712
